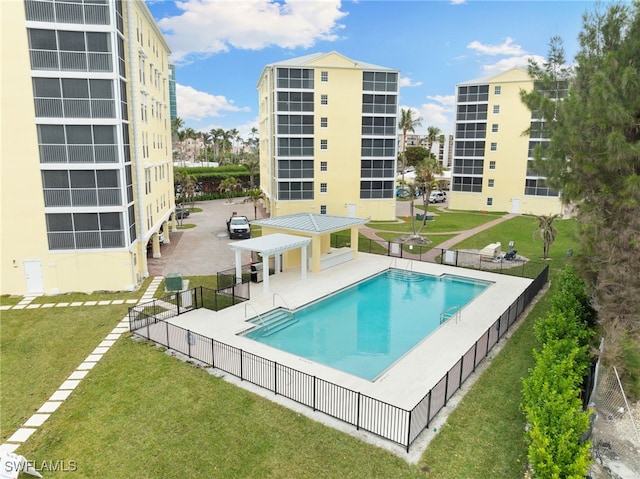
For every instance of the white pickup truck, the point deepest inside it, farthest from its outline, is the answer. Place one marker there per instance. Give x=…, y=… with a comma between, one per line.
x=238, y=227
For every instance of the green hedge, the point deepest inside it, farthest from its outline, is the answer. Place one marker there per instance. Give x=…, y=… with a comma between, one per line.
x=551, y=394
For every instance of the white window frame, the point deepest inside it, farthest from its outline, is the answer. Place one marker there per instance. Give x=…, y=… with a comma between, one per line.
x=323, y=187
x=496, y=109
x=492, y=165
x=324, y=99
x=324, y=145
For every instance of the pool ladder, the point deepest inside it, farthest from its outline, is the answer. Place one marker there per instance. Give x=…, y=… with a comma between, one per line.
x=453, y=311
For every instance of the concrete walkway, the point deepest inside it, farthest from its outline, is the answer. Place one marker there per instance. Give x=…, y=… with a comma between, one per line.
x=402, y=211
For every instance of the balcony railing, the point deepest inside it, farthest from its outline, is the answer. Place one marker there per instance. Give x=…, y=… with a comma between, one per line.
x=67, y=12
x=57, y=197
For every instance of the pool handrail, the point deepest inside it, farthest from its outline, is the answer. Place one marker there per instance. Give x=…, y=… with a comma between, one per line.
x=262, y=323
x=280, y=296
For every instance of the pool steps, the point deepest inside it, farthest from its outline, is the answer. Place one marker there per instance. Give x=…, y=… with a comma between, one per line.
x=274, y=321
x=404, y=275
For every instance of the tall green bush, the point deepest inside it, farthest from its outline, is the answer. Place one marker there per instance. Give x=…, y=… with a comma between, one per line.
x=551, y=393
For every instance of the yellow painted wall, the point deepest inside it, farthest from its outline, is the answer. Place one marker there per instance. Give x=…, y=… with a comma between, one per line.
x=22, y=214
x=343, y=134
x=511, y=154
x=22, y=222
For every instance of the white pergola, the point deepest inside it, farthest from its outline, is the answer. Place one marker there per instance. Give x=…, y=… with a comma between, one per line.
x=273, y=244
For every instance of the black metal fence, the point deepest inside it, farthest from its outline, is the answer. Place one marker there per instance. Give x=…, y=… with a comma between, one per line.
x=182, y=302
x=459, y=258
x=391, y=422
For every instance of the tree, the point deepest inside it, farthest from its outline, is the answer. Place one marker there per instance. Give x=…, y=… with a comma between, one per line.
x=255, y=196
x=228, y=187
x=187, y=185
x=426, y=173
x=407, y=123
x=433, y=136
x=415, y=154
x=546, y=231
x=593, y=158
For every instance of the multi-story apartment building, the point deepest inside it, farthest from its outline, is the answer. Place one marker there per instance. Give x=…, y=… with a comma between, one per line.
x=493, y=156
x=87, y=177
x=328, y=139
x=173, y=103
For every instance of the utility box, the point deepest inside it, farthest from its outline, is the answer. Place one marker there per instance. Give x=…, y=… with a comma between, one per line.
x=173, y=282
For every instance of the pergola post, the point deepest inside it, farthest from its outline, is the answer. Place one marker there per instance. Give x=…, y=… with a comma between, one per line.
x=265, y=274
x=238, y=266
x=304, y=261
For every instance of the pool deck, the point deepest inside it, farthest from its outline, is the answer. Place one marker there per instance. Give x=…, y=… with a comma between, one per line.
x=410, y=378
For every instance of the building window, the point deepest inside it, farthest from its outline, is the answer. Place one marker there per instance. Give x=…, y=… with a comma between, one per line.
x=492, y=165
x=324, y=77
x=323, y=166
x=380, y=81
x=489, y=201
x=324, y=122
x=474, y=93
x=323, y=187
x=491, y=182
x=295, y=78
x=496, y=109
x=494, y=146
x=295, y=190
x=323, y=209
x=497, y=90
x=494, y=128
x=377, y=189
x=323, y=144
x=324, y=99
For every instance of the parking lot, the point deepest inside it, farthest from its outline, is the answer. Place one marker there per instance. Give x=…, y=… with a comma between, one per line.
x=203, y=250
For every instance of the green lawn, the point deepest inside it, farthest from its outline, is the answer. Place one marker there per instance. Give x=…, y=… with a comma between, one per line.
x=142, y=413
x=9, y=300
x=99, y=296
x=444, y=222
x=40, y=349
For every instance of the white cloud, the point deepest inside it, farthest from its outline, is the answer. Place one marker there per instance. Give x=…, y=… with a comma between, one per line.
x=407, y=82
x=196, y=105
x=447, y=100
x=505, y=48
x=458, y=2
x=208, y=27
x=508, y=63
x=438, y=114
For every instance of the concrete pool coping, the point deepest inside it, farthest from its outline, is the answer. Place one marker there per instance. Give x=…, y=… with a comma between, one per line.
x=411, y=377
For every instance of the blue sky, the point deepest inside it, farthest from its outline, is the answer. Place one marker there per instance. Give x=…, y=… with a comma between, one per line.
x=221, y=46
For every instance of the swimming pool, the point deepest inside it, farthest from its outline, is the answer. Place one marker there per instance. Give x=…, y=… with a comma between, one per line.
x=365, y=328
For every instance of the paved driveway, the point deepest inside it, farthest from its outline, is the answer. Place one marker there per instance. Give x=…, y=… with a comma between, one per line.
x=203, y=250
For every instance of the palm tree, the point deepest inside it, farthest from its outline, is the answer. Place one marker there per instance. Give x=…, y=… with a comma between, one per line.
x=426, y=173
x=546, y=231
x=407, y=123
x=253, y=142
x=187, y=184
x=176, y=125
x=433, y=136
x=217, y=135
x=229, y=186
x=252, y=162
x=255, y=196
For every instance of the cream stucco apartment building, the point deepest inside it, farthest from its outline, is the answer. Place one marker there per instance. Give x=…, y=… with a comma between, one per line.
x=86, y=170
x=492, y=159
x=328, y=139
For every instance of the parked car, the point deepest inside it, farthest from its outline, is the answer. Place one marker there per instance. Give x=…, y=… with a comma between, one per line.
x=238, y=227
x=437, y=197
x=181, y=212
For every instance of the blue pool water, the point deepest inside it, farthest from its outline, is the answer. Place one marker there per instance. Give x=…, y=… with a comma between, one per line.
x=365, y=328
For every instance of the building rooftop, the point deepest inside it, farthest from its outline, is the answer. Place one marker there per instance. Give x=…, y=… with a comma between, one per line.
x=310, y=222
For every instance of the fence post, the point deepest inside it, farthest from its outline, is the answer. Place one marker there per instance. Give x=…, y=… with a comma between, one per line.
x=178, y=301
x=275, y=378
x=446, y=389
x=429, y=409
x=409, y=431
x=314, y=392
x=213, y=361
x=475, y=355
x=358, y=413
x=461, y=369
x=241, y=368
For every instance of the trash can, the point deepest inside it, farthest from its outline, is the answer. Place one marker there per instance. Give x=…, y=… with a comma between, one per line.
x=256, y=272
x=173, y=282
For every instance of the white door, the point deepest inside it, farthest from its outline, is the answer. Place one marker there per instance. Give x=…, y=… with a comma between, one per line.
x=33, y=277
x=351, y=210
x=515, y=205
